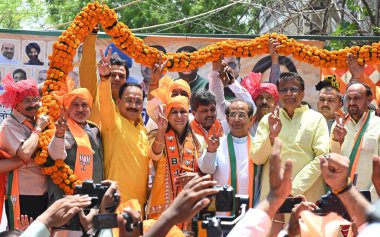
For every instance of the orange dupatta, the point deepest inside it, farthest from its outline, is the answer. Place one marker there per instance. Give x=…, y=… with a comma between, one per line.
x=84, y=157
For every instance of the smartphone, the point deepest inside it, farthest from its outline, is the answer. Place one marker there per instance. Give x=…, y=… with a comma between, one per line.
x=289, y=204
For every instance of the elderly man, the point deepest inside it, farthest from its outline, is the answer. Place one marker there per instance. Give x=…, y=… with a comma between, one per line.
x=126, y=148
x=230, y=162
x=7, y=54
x=76, y=140
x=19, y=135
x=358, y=135
x=33, y=50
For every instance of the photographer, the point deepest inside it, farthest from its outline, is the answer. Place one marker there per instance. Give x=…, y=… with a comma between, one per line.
x=257, y=222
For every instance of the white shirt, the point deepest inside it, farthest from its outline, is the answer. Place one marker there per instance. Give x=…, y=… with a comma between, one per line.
x=5, y=60
x=218, y=163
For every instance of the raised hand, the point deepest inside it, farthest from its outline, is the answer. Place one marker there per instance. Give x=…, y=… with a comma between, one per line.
x=162, y=121
x=355, y=68
x=226, y=74
x=217, y=64
x=24, y=222
x=334, y=169
x=61, y=124
x=339, y=131
x=213, y=139
x=104, y=66
x=273, y=46
x=158, y=70
x=275, y=124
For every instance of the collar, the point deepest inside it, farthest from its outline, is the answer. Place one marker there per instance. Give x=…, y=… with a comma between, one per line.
x=193, y=81
x=298, y=110
x=361, y=119
x=19, y=116
x=239, y=140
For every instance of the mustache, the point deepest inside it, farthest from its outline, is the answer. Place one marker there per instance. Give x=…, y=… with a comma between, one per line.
x=32, y=108
x=132, y=110
x=325, y=107
x=264, y=106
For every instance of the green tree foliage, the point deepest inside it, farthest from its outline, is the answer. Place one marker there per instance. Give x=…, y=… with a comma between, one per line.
x=236, y=19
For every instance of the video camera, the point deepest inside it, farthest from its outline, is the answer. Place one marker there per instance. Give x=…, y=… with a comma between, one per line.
x=223, y=201
x=96, y=192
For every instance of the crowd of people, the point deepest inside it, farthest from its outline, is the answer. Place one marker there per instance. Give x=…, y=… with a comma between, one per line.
x=254, y=134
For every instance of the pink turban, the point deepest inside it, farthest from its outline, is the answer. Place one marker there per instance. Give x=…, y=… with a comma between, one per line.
x=252, y=83
x=15, y=92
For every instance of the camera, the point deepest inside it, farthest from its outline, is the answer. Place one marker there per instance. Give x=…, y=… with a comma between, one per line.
x=223, y=201
x=331, y=203
x=96, y=192
x=109, y=221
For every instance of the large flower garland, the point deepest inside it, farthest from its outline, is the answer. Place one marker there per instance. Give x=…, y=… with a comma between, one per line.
x=61, y=62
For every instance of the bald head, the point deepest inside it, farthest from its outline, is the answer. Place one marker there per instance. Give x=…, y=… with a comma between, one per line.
x=358, y=97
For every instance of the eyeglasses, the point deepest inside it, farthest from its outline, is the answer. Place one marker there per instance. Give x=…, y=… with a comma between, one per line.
x=32, y=101
x=291, y=89
x=239, y=116
x=136, y=102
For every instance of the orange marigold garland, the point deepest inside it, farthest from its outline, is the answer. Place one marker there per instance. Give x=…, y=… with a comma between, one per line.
x=64, y=50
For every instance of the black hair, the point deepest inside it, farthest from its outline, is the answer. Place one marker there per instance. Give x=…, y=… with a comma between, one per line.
x=264, y=64
x=14, y=232
x=31, y=46
x=368, y=90
x=287, y=76
x=19, y=70
x=187, y=48
x=306, y=103
x=250, y=107
x=127, y=84
x=120, y=62
x=159, y=47
x=202, y=97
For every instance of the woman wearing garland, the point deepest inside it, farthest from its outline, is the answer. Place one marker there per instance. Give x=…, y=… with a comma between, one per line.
x=180, y=149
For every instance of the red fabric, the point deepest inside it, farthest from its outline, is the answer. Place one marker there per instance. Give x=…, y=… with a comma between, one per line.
x=252, y=83
x=16, y=92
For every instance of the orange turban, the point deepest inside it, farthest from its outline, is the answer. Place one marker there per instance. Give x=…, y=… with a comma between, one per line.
x=166, y=87
x=180, y=85
x=67, y=94
x=177, y=102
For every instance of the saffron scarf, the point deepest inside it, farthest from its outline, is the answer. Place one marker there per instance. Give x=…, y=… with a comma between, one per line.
x=198, y=129
x=355, y=153
x=84, y=160
x=180, y=158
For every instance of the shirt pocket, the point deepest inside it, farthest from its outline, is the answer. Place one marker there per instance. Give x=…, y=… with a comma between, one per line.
x=370, y=145
x=305, y=138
